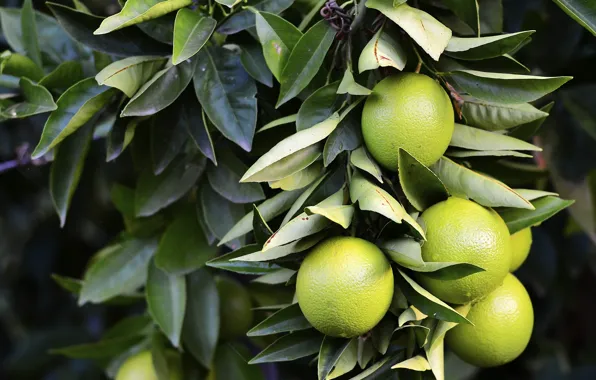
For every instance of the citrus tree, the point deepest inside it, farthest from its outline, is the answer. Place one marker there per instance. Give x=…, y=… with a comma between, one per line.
x=368, y=163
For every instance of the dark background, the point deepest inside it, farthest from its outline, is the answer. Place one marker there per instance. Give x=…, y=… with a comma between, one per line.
x=36, y=315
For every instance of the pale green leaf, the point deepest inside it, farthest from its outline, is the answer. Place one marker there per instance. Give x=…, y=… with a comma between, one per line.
x=478, y=139
x=383, y=50
x=417, y=363
x=129, y=74
x=362, y=160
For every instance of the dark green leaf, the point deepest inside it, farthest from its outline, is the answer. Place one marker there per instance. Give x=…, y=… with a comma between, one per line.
x=346, y=137
x=30, y=33
x=319, y=106
x=245, y=18
x=158, y=356
x=420, y=185
x=448, y=271
x=138, y=325
x=499, y=116
x=254, y=63
x=120, y=136
x=518, y=219
x=103, y=349
x=161, y=90
x=183, y=248
x=243, y=267
x=382, y=334
x=467, y=11
x=479, y=48
x=225, y=177
x=220, y=214
x=160, y=29
x=582, y=11
x=285, y=320
x=305, y=60
x=122, y=270
x=74, y=286
x=127, y=42
x=168, y=135
x=261, y=229
x=231, y=363
x=505, y=88
x=75, y=108
x=137, y=11
x=227, y=94
x=201, y=322
x=67, y=168
x=65, y=75
x=166, y=301
x=347, y=361
x=36, y=100
x=191, y=32
x=525, y=131
x=156, y=192
x=329, y=354
x=293, y=346
x=129, y=74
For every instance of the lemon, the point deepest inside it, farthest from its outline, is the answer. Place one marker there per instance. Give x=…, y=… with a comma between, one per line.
x=140, y=367
x=344, y=286
x=521, y=241
x=235, y=308
x=462, y=231
x=503, y=323
x=409, y=111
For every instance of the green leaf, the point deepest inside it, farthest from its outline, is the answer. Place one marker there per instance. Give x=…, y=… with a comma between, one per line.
x=80, y=27
x=409, y=315
x=245, y=18
x=347, y=361
x=382, y=51
x=404, y=251
x=467, y=11
x=280, y=276
x=525, y=131
x=166, y=301
x=220, y=215
x=156, y=192
x=120, y=136
x=226, y=262
x=137, y=11
x=283, y=250
x=195, y=121
x=478, y=139
x=582, y=11
x=416, y=363
x=269, y=209
x=346, y=137
x=191, y=32
x=285, y=320
x=426, y=302
x=329, y=354
x=532, y=194
x=129, y=74
x=36, y=100
x=341, y=215
x=224, y=180
x=158, y=356
x=262, y=231
x=65, y=75
x=122, y=269
x=366, y=351
x=289, y=347
x=138, y=325
x=201, y=321
x=74, y=286
x=305, y=60
x=498, y=116
x=76, y=106
x=430, y=34
x=231, y=363
x=349, y=85
x=382, y=334
x=168, y=134
x=505, y=88
x=277, y=122
x=487, y=191
x=67, y=168
x=479, y=48
x=160, y=29
x=105, y=348
x=278, y=38
x=19, y=66
x=318, y=107
x=380, y=367
x=517, y=219
x=304, y=225
x=227, y=94
x=362, y=160
x=267, y=166
x=299, y=179
x=485, y=153
x=420, y=185
x=30, y=33
x=372, y=198
x=164, y=87
x=183, y=248
x=254, y=63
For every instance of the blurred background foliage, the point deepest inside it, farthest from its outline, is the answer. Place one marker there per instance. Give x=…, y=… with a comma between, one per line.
x=36, y=315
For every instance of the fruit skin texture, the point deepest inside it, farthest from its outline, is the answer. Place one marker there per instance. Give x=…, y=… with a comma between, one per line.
x=344, y=286
x=140, y=367
x=503, y=323
x=521, y=241
x=235, y=308
x=459, y=230
x=409, y=111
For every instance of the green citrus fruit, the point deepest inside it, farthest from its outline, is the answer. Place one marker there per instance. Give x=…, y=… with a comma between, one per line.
x=521, y=241
x=503, y=323
x=140, y=367
x=409, y=111
x=344, y=286
x=459, y=230
x=235, y=308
